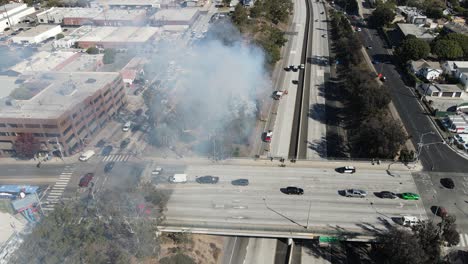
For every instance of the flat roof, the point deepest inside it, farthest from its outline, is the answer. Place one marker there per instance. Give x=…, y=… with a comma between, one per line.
x=8, y=84
x=82, y=12
x=61, y=91
x=121, y=14
x=179, y=14
x=84, y=62
x=36, y=30
x=9, y=7
x=412, y=29
x=449, y=87
x=43, y=61
x=120, y=34
x=457, y=27
x=461, y=64
x=128, y=2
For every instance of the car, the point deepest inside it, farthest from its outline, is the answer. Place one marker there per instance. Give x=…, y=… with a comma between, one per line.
x=316, y=20
x=157, y=171
x=106, y=150
x=277, y=94
x=383, y=79
x=125, y=143
x=387, y=195
x=127, y=126
x=322, y=12
x=355, y=193
x=207, y=179
x=293, y=190
x=100, y=143
x=85, y=180
x=375, y=62
x=447, y=183
x=267, y=136
x=369, y=47
x=240, y=182
x=287, y=68
x=439, y=211
x=324, y=35
x=409, y=196
x=358, y=29
x=109, y=166
x=347, y=169
x=301, y=66
x=294, y=68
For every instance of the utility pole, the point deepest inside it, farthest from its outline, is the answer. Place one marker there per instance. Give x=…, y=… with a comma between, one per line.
x=308, y=215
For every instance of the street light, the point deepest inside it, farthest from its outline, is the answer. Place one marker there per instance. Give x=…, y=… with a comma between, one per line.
x=420, y=144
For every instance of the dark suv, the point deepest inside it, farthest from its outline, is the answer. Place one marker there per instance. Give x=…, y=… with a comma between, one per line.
x=84, y=182
x=293, y=190
x=208, y=179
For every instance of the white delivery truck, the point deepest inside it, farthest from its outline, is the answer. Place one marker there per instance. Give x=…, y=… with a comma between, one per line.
x=178, y=178
x=87, y=155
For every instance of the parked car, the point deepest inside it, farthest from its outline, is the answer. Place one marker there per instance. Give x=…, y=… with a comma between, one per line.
x=355, y=193
x=240, y=182
x=85, y=180
x=207, y=179
x=109, y=166
x=346, y=169
x=267, y=136
x=157, y=171
x=277, y=94
x=100, y=143
x=127, y=126
x=369, y=47
x=301, y=66
x=447, y=183
x=293, y=190
x=293, y=68
x=387, y=195
x=439, y=211
x=125, y=143
x=410, y=196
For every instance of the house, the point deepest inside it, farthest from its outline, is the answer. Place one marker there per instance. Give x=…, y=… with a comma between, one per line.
x=430, y=70
x=440, y=90
x=418, y=31
x=412, y=15
x=457, y=69
x=453, y=27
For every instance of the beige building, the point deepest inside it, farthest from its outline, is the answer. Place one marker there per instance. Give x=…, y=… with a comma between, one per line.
x=71, y=107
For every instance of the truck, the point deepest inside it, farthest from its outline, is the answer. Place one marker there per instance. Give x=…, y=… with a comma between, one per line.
x=178, y=178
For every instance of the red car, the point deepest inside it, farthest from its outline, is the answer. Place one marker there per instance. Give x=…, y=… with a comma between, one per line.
x=85, y=180
x=267, y=136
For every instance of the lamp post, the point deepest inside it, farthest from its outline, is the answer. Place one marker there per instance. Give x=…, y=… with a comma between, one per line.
x=420, y=144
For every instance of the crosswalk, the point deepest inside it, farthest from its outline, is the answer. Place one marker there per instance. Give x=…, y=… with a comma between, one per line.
x=463, y=240
x=55, y=194
x=117, y=158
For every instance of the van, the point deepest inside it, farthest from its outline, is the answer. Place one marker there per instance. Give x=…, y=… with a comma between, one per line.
x=409, y=220
x=87, y=155
x=127, y=126
x=178, y=178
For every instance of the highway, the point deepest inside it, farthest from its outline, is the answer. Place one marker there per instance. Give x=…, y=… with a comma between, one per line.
x=262, y=206
x=434, y=157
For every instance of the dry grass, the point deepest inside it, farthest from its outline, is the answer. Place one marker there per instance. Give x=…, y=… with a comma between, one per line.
x=203, y=249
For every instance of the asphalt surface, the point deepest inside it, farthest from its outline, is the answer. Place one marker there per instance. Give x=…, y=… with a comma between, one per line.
x=263, y=206
x=29, y=173
x=434, y=157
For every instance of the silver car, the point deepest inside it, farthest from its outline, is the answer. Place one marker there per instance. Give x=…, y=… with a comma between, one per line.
x=355, y=193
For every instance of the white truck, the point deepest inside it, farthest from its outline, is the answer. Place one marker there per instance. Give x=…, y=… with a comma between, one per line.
x=178, y=178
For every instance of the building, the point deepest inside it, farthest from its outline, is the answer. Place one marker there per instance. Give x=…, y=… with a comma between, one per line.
x=132, y=70
x=12, y=14
x=127, y=4
x=412, y=15
x=118, y=37
x=417, y=31
x=430, y=70
x=70, y=40
x=37, y=34
x=452, y=27
x=121, y=17
x=440, y=90
x=84, y=62
x=69, y=107
x=68, y=16
x=175, y=16
x=457, y=69
x=44, y=61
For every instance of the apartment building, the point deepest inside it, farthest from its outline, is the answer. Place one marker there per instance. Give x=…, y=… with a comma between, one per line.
x=63, y=106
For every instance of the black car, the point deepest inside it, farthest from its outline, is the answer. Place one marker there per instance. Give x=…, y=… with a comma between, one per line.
x=240, y=182
x=106, y=150
x=109, y=166
x=100, y=143
x=447, y=183
x=294, y=190
x=125, y=143
x=387, y=195
x=208, y=179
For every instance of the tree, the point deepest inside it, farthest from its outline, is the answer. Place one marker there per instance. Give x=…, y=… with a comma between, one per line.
x=239, y=17
x=92, y=50
x=461, y=39
x=399, y=246
x=447, y=49
x=227, y=2
x=413, y=49
x=109, y=56
x=278, y=10
x=449, y=230
x=434, y=13
x=59, y=36
x=382, y=16
x=26, y=146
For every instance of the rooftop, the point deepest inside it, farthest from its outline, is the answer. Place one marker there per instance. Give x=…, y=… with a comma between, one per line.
x=8, y=7
x=419, y=64
x=179, y=14
x=52, y=93
x=121, y=14
x=84, y=62
x=120, y=34
x=418, y=31
x=76, y=12
x=36, y=30
x=8, y=84
x=457, y=27
x=43, y=61
x=153, y=3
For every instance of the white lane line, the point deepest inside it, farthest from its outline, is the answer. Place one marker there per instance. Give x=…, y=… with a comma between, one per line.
x=62, y=180
x=66, y=173
x=65, y=177
x=58, y=188
x=61, y=184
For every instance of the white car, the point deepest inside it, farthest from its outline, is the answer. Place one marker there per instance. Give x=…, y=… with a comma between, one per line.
x=358, y=29
x=127, y=126
x=157, y=171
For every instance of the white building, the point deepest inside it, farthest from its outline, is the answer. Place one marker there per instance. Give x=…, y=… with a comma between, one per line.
x=430, y=70
x=11, y=14
x=459, y=70
x=440, y=90
x=70, y=40
x=37, y=34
